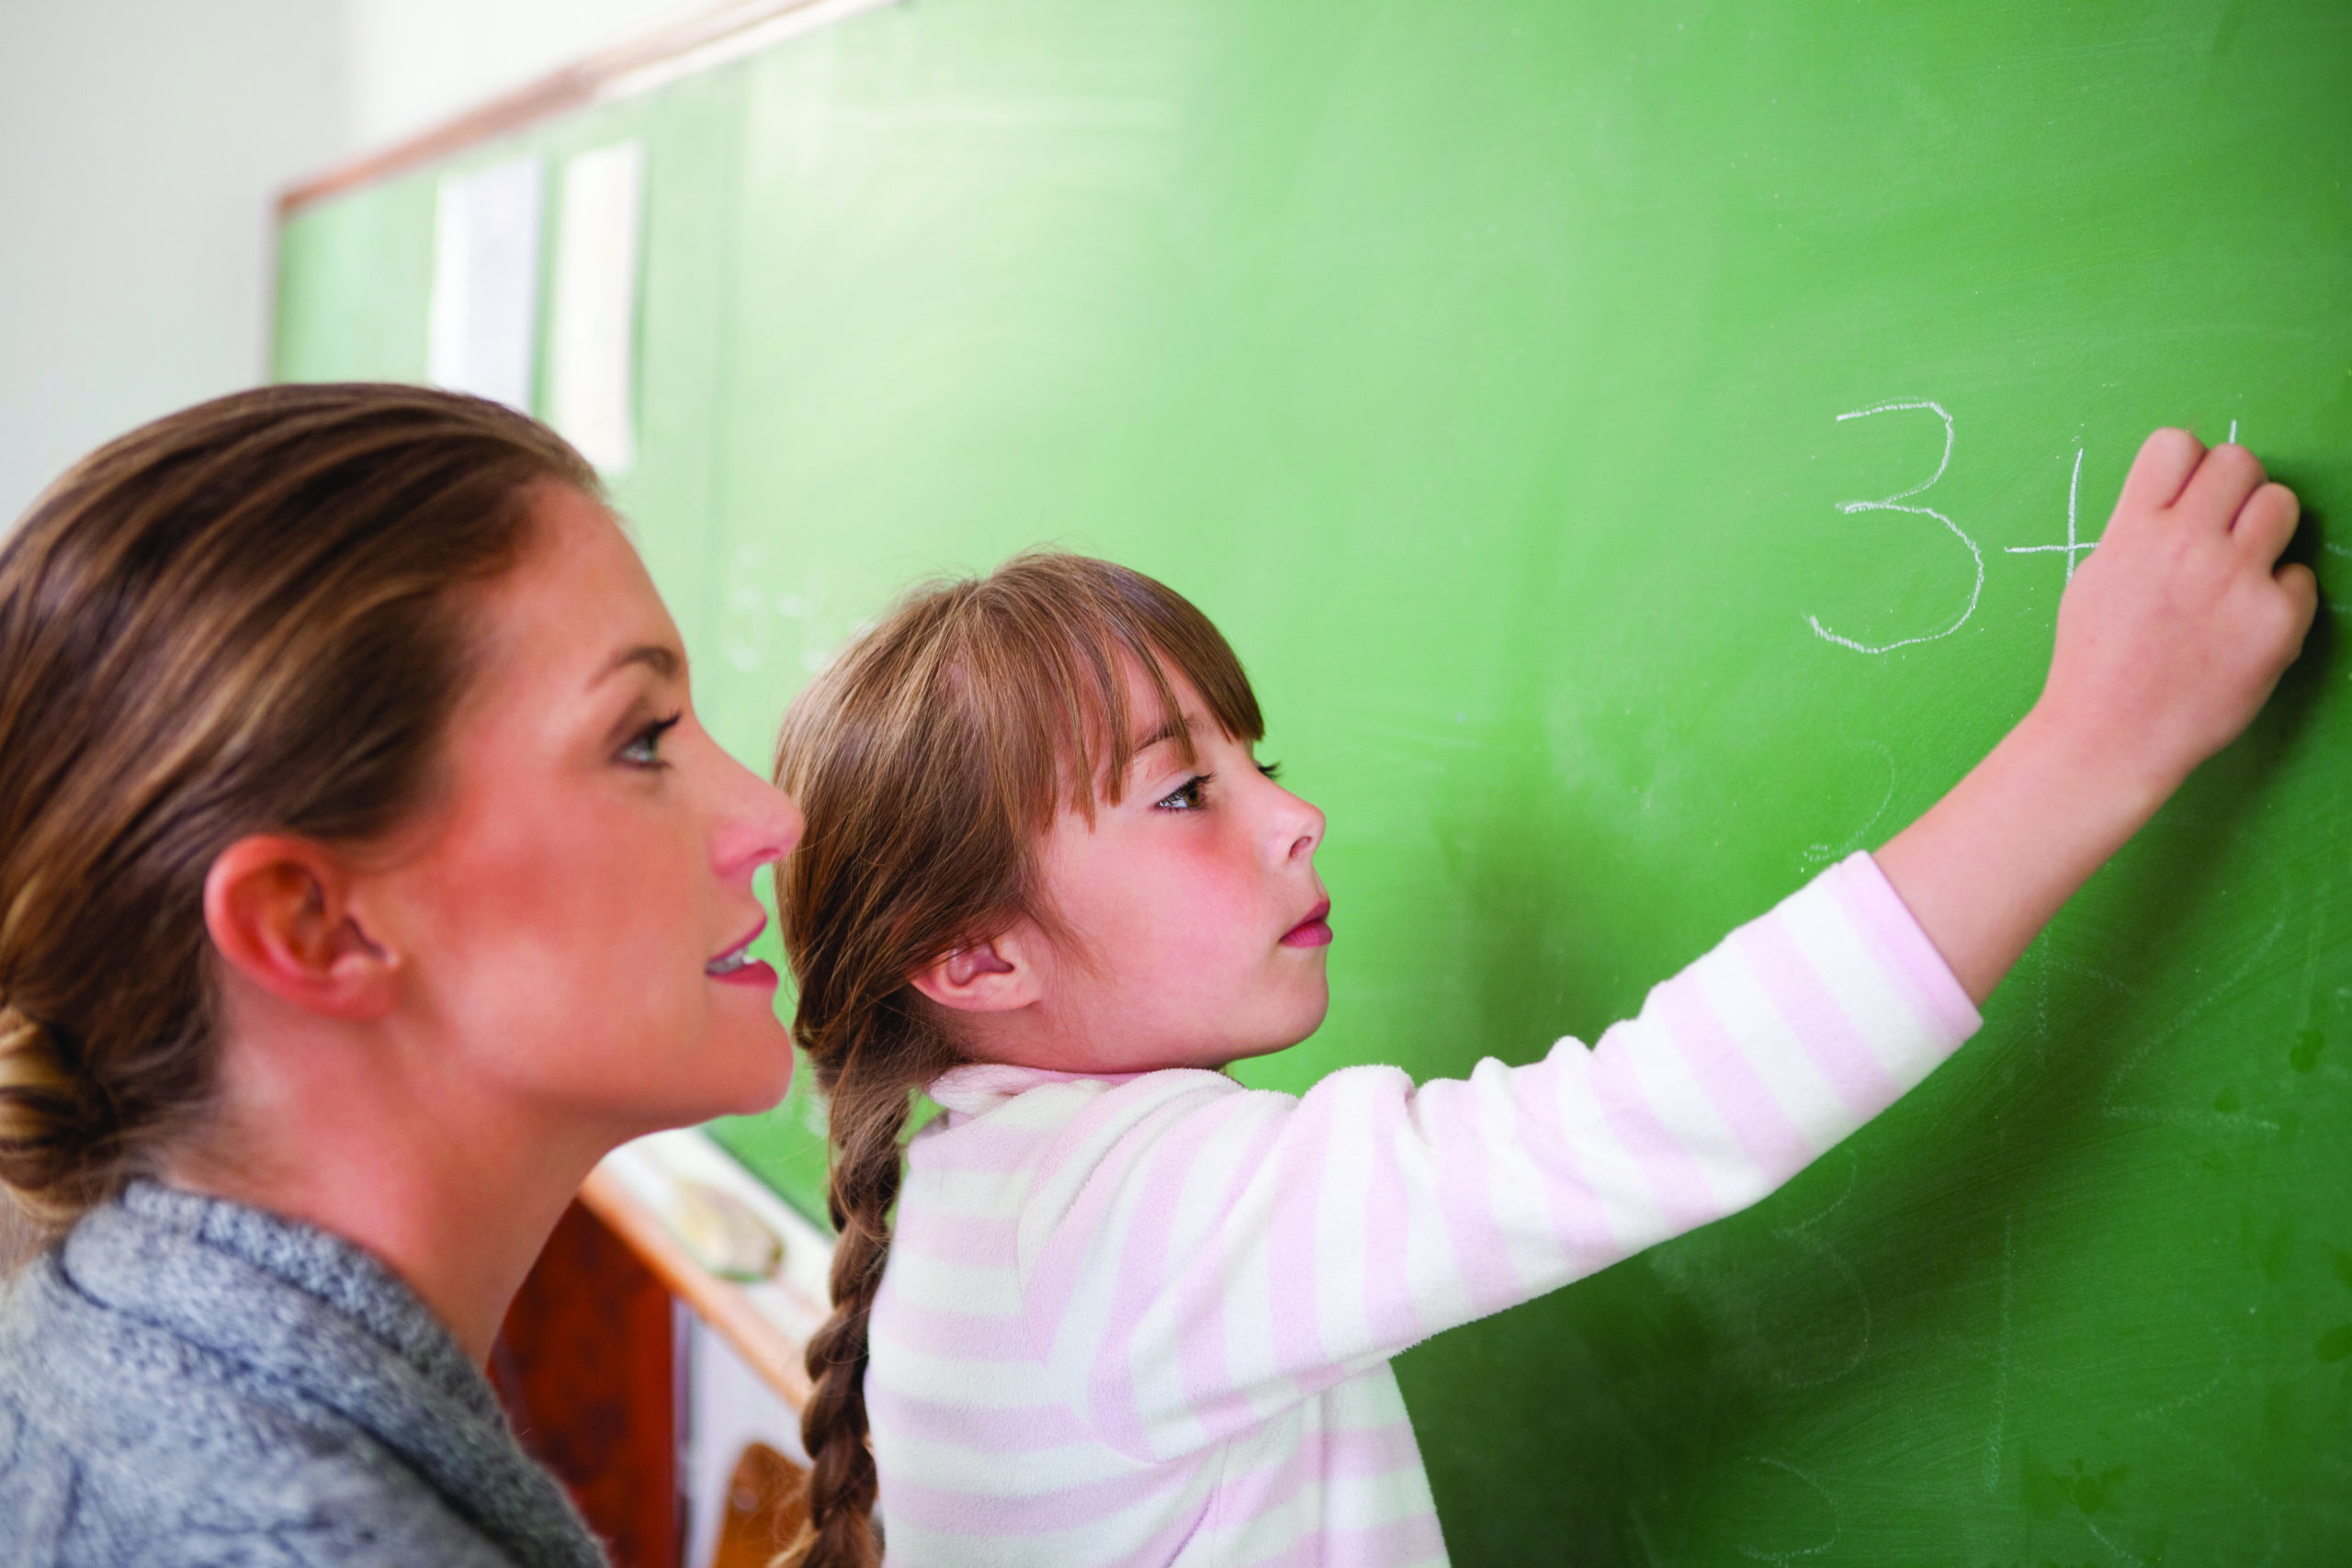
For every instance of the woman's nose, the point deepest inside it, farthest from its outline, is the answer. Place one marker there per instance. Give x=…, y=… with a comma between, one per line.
x=759, y=825
x=789, y=824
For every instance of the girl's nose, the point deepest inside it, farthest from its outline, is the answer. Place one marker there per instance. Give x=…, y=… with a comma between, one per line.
x=1304, y=830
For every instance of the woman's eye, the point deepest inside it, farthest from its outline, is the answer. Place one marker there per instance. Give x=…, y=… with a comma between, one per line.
x=1186, y=796
x=644, y=748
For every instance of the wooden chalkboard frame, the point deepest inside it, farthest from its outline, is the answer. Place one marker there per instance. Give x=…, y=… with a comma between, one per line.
x=700, y=43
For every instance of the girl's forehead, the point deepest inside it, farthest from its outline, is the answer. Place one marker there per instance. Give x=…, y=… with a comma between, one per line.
x=1104, y=711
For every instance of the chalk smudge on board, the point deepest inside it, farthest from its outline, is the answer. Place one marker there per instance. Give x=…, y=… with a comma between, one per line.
x=1828, y=1503
x=1802, y=1235
x=2228, y=1119
x=1818, y=855
x=2001, y=1353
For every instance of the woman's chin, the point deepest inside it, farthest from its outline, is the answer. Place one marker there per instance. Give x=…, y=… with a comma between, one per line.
x=771, y=1076
x=736, y=1074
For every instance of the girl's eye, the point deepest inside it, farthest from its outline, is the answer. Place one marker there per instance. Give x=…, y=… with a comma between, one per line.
x=1271, y=770
x=1186, y=796
x=644, y=748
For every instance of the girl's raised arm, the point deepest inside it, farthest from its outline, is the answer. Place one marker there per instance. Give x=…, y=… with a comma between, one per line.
x=1195, y=1255
x=2170, y=638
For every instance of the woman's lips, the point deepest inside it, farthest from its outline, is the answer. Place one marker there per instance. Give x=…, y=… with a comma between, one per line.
x=736, y=967
x=1313, y=932
x=752, y=971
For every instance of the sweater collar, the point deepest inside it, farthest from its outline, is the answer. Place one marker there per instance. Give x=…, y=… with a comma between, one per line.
x=308, y=1318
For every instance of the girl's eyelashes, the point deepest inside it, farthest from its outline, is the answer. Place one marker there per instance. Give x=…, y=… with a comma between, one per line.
x=1192, y=794
x=1186, y=796
x=644, y=747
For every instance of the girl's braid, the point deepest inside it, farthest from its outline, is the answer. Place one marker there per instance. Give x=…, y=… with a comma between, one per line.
x=869, y=1120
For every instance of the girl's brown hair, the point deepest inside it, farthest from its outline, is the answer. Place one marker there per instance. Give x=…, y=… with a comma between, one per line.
x=929, y=760
x=240, y=618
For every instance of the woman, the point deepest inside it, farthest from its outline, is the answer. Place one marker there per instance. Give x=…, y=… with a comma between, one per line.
x=364, y=877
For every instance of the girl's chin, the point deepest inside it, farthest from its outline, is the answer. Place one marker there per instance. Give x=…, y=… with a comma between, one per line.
x=1297, y=1033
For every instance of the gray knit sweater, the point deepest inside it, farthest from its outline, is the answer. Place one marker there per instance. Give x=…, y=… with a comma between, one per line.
x=189, y=1381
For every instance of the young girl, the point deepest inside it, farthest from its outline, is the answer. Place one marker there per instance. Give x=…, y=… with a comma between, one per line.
x=1135, y=1313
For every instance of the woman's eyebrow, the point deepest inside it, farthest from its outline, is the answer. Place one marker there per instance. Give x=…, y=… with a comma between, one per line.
x=661, y=658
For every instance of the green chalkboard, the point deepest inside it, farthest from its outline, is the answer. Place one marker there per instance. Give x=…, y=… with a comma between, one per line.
x=1544, y=398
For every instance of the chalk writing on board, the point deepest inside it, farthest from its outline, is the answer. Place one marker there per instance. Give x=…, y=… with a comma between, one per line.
x=1895, y=504
x=2073, y=546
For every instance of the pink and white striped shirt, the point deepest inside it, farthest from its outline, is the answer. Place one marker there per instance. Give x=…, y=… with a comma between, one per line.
x=1148, y=1319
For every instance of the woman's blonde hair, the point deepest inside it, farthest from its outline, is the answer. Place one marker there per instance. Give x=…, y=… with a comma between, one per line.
x=929, y=760
x=240, y=618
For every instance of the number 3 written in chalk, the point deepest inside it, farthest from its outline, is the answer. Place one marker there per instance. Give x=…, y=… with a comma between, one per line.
x=2072, y=550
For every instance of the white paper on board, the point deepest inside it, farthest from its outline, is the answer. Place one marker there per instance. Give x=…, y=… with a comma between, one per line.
x=592, y=355
x=484, y=317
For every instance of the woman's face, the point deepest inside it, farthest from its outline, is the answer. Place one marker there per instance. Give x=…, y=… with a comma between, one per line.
x=574, y=916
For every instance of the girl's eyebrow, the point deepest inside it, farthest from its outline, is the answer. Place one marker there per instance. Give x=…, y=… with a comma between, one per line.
x=1172, y=728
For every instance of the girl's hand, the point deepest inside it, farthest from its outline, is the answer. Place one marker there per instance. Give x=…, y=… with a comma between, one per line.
x=2176, y=630
x=2170, y=638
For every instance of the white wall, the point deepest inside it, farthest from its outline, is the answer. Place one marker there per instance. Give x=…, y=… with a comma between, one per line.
x=417, y=62
x=728, y=1409
x=141, y=142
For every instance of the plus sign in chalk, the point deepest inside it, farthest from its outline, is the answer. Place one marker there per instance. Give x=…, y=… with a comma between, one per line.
x=2074, y=546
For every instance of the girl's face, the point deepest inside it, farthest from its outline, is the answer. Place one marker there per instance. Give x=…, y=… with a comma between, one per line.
x=574, y=916
x=1193, y=925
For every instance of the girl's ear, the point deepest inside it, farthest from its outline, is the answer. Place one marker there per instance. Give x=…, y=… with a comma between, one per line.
x=279, y=913
x=997, y=976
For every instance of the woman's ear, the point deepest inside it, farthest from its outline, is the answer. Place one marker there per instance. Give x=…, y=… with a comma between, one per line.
x=997, y=976
x=279, y=909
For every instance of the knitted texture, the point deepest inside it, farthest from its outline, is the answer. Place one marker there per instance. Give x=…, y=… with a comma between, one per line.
x=185, y=1380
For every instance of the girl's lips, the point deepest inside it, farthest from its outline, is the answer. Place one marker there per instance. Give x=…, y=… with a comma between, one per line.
x=1313, y=932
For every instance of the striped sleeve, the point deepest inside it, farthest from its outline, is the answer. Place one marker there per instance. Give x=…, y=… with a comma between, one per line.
x=1196, y=1256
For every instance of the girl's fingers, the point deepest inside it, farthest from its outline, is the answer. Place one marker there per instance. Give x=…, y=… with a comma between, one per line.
x=2303, y=594
x=2268, y=521
x=2159, y=473
x=2220, y=486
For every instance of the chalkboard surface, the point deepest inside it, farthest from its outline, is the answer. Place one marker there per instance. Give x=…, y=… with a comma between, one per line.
x=1637, y=448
